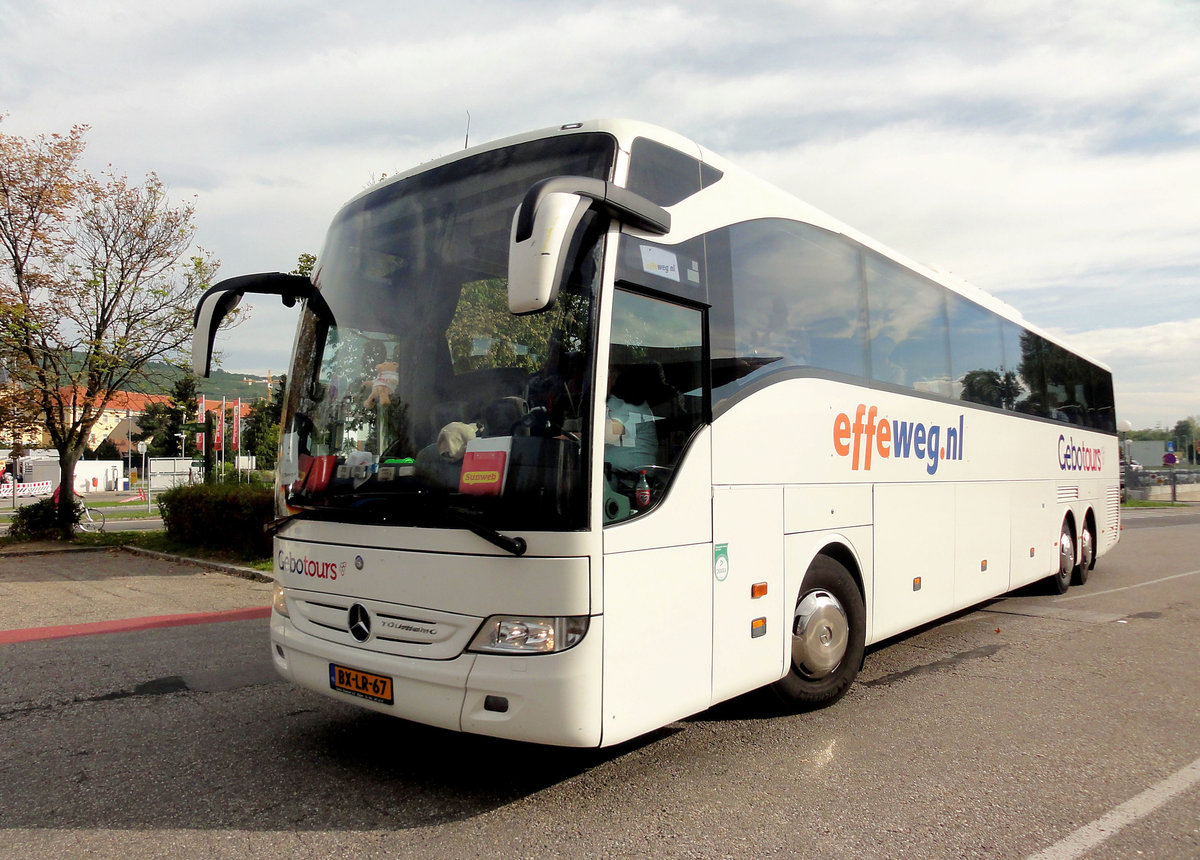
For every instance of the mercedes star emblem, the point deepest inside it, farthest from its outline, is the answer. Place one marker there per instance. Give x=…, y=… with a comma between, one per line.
x=360, y=622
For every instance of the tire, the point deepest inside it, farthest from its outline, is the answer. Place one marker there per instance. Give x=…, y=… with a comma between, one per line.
x=1087, y=555
x=828, y=635
x=1060, y=580
x=91, y=521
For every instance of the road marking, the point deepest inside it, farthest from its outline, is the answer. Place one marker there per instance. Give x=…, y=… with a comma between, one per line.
x=33, y=634
x=1126, y=587
x=1090, y=835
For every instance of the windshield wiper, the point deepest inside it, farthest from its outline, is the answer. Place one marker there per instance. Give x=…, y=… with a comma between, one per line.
x=435, y=503
x=514, y=545
x=272, y=527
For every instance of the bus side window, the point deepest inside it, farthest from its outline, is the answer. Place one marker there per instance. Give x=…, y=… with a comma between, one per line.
x=654, y=401
x=910, y=343
x=792, y=297
x=977, y=370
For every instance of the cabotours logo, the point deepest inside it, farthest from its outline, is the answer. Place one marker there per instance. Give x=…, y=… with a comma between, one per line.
x=872, y=435
x=1078, y=458
x=305, y=566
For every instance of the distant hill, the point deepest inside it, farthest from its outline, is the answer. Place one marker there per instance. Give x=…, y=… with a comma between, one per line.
x=232, y=385
x=221, y=383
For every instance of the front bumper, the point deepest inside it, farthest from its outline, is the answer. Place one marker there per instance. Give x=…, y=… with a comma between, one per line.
x=548, y=698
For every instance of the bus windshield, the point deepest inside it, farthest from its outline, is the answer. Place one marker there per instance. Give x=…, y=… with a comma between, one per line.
x=416, y=398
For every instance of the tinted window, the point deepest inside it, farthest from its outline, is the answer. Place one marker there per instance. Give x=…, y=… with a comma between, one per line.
x=795, y=300
x=1023, y=350
x=655, y=399
x=1100, y=397
x=678, y=270
x=661, y=174
x=1077, y=391
x=787, y=296
x=1066, y=393
x=977, y=355
x=909, y=336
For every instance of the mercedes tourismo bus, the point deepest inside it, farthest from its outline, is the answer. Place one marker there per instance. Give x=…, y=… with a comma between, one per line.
x=587, y=430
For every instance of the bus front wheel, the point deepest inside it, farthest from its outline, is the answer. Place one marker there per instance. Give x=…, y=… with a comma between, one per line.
x=828, y=634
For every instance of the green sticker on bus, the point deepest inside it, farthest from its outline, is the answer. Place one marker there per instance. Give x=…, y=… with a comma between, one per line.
x=721, y=561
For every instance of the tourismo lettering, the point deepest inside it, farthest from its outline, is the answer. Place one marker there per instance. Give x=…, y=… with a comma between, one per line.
x=1078, y=458
x=872, y=435
x=305, y=566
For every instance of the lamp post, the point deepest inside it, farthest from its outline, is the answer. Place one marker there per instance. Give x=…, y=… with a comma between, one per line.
x=1124, y=428
x=145, y=474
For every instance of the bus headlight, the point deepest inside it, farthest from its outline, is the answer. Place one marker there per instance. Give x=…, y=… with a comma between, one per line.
x=279, y=602
x=506, y=634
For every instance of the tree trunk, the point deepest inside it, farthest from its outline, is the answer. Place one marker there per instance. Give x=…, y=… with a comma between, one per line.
x=66, y=493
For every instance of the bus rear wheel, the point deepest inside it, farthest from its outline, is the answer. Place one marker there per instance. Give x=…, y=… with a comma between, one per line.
x=1087, y=554
x=828, y=634
x=1060, y=580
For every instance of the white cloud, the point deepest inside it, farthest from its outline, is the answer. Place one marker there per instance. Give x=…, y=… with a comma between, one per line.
x=1046, y=150
x=1153, y=369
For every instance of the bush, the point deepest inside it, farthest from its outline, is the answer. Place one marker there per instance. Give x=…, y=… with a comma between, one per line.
x=38, y=521
x=220, y=516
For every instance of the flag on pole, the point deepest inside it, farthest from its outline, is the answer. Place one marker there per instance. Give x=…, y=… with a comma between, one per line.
x=237, y=426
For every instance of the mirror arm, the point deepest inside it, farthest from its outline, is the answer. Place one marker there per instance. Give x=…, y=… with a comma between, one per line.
x=224, y=296
x=290, y=288
x=624, y=205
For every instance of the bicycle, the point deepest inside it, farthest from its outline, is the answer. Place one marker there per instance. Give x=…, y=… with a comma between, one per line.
x=90, y=519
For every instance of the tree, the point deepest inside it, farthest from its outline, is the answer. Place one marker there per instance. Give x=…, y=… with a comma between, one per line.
x=19, y=408
x=161, y=424
x=94, y=285
x=305, y=265
x=260, y=434
x=993, y=387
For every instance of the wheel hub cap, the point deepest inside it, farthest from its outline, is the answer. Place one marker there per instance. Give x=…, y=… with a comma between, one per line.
x=819, y=635
x=1066, y=554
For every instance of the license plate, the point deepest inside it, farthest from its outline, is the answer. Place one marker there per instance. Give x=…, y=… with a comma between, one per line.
x=376, y=688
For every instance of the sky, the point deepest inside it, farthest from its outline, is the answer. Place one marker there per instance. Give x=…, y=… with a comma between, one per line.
x=1046, y=151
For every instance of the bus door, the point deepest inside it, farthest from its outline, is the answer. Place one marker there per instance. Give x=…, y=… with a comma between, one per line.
x=750, y=620
x=657, y=480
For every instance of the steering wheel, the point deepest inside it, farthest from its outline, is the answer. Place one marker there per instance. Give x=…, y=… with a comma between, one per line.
x=537, y=422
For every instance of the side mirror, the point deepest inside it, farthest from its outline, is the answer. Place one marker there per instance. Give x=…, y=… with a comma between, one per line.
x=535, y=264
x=545, y=223
x=222, y=298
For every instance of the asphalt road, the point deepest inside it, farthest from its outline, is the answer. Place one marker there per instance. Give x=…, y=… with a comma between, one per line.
x=1035, y=726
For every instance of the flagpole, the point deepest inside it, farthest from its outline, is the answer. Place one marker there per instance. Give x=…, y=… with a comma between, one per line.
x=237, y=438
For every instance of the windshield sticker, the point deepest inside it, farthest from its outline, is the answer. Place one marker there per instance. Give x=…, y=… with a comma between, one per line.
x=660, y=262
x=289, y=464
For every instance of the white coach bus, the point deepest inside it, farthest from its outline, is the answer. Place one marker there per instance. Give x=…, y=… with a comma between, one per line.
x=587, y=430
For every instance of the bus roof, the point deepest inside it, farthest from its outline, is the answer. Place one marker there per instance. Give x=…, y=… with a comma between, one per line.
x=727, y=202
